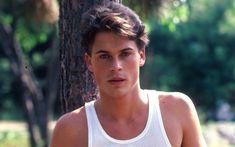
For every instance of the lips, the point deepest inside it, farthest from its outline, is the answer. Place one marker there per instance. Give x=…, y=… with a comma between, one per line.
x=116, y=80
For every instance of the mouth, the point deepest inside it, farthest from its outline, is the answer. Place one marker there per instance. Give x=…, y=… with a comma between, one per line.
x=116, y=80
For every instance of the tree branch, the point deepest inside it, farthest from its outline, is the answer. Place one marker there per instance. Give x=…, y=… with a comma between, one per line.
x=33, y=93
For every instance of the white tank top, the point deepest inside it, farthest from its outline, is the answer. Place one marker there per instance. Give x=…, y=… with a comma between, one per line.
x=153, y=135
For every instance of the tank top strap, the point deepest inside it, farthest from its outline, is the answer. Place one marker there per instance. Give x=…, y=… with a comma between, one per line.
x=157, y=116
x=90, y=120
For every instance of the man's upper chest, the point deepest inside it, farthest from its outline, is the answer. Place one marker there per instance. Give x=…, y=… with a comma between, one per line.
x=124, y=130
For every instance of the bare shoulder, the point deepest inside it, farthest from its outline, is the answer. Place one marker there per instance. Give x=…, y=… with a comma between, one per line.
x=178, y=106
x=71, y=129
x=180, y=101
x=180, y=113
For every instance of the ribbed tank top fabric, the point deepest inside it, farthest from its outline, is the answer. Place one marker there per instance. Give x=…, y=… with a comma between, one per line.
x=153, y=135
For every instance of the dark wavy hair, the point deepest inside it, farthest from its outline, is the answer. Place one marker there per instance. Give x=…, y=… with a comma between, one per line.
x=112, y=17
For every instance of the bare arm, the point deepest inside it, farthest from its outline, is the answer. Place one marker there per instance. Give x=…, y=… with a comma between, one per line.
x=192, y=134
x=70, y=131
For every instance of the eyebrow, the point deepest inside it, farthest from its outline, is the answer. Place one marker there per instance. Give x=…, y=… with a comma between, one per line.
x=104, y=51
x=101, y=51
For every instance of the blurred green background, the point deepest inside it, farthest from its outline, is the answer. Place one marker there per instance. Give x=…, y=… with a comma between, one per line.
x=191, y=50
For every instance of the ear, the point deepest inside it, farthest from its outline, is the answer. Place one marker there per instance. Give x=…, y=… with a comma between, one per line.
x=142, y=56
x=88, y=62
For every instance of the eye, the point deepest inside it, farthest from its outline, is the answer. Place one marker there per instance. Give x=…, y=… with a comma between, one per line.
x=125, y=54
x=104, y=56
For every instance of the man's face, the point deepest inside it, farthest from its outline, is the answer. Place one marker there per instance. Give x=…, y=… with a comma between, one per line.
x=115, y=62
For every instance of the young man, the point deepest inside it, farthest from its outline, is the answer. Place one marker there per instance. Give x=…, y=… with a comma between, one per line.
x=124, y=114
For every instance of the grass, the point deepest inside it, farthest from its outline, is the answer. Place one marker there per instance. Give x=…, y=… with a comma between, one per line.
x=15, y=134
x=13, y=138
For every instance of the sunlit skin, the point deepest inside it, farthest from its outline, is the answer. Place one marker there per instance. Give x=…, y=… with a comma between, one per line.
x=115, y=62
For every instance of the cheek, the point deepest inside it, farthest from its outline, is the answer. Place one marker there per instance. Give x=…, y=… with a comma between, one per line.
x=98, y=66
x=98, y=70
x=134, y=62
x=133, y=67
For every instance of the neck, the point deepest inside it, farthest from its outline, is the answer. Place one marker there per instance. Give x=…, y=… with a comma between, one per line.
x=123, y=107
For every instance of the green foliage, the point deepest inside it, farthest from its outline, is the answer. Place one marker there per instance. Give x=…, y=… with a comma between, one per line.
x=8, y=105
x=191, y=51
x=34, y=39
x=29, y=34
x=7, y=19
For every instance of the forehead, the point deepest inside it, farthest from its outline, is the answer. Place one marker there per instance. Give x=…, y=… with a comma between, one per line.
x=110, y=41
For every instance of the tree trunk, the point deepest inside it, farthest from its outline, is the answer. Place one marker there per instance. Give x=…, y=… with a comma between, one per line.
x=28, y=87
x=77, y=83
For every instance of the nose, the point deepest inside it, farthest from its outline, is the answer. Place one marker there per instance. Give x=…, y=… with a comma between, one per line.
x=116, y=65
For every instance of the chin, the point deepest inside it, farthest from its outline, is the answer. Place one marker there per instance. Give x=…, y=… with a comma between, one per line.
x=118, y=92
